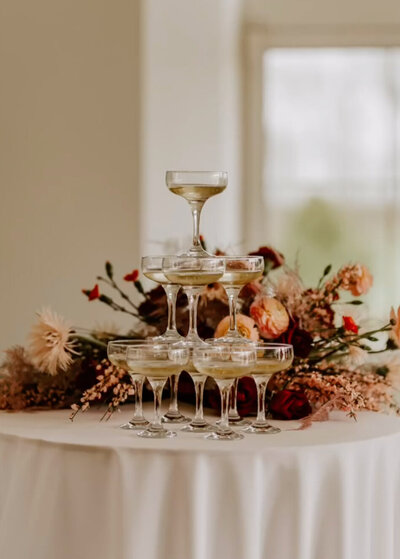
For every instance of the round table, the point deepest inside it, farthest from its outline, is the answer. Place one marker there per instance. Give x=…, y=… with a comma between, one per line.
x=88, y=490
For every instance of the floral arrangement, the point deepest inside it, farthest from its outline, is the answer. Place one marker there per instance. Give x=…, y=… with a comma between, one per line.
x=339, y=364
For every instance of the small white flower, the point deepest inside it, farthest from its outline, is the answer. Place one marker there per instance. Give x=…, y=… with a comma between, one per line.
x=357, y=356
x=51, y=343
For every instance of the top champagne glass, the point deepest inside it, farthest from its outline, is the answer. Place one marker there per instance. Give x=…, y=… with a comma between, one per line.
x=196, y=187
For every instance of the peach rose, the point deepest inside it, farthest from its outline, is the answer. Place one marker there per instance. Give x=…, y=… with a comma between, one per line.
x=246, y=326
x=395, y=332
x=357, y=279
x=271, y=317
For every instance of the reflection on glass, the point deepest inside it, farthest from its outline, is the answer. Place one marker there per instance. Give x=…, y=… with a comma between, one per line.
x=156, y=361
x=196, y=187
x=224, y=363
x=116, y=352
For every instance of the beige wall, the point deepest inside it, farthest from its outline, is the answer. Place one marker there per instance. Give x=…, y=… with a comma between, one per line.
x=69, y=79
x=191, y=112
x=306, y=12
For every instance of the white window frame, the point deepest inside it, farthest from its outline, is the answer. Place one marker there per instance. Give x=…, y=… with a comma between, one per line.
x=258, y=39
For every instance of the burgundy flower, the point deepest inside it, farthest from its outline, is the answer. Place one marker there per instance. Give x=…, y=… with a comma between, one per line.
x=300, y=339
x=247, y=396
x=246, y=400
x=289, y=404
x=272, y=258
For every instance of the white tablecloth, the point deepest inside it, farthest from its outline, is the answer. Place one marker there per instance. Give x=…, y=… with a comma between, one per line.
x=88, y=490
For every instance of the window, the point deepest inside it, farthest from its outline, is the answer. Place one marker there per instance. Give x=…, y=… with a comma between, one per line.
x=331, y=161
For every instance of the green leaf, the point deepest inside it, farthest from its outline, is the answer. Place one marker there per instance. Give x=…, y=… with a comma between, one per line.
x=355, y=302
x=139, y=287
x=382, y=371
x=372, y=339
x=327, y=270
x=391, y=344
x=105, y=299
x=109, y=270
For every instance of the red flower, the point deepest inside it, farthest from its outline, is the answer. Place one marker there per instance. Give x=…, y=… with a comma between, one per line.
x=289, y=404
x=133, y=276
x=92, y=294
x=349, y=324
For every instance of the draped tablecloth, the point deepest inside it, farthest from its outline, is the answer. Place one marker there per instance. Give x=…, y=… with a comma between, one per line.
x=88, y=490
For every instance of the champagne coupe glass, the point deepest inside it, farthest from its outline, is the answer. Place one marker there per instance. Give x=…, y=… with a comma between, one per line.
x=224, y=363
x=193, y=274
x=152, y=269
x=196, y=187
x=116, y=351
x=271, y=358
x=157, y=361
x=239, y=271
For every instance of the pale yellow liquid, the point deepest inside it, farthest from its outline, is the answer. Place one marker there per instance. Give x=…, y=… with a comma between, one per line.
x=119, y=361
x=196, y=192
x=267, y=368
x=239, y=277
x=156, y=275
x=155, y=370
x=191, y=369
x=224, y=371
x=192, y=278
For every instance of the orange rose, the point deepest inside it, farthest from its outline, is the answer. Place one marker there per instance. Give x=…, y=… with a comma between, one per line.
x=271, y=317
x=245, y=325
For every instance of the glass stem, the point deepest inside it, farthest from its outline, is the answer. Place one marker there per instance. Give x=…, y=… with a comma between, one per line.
x=173, y=404
x=199, y=392
x=193, y=294
x=196, y=207
x=261, y=389
x=157, y=386
x=233, y=398
x=138, y=386
x=171, y=292
x=225, y=388
x=233, y=294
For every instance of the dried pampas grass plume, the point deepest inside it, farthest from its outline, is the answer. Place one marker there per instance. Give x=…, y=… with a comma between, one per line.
x=51, y=343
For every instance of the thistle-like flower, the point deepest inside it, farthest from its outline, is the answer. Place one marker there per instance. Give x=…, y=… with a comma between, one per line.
x=51, y=343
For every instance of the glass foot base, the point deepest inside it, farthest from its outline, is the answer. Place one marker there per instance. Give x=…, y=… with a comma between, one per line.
x=156, y=434
x=179, y=418
x=197, y=428
x=239, y=422
x=134, y=425
x=196, y=251
x=261, y=429
x=227, y=436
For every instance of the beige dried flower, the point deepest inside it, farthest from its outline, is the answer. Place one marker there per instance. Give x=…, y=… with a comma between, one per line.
x=51, y=343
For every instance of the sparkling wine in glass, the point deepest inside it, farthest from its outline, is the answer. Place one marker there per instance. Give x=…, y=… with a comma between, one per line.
x=152, y=269
x=116, y=351
x=224, y=363
x=193, y=274
x=196, y=187
x=239, y=271
x=271, y=358
x=157, y=361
